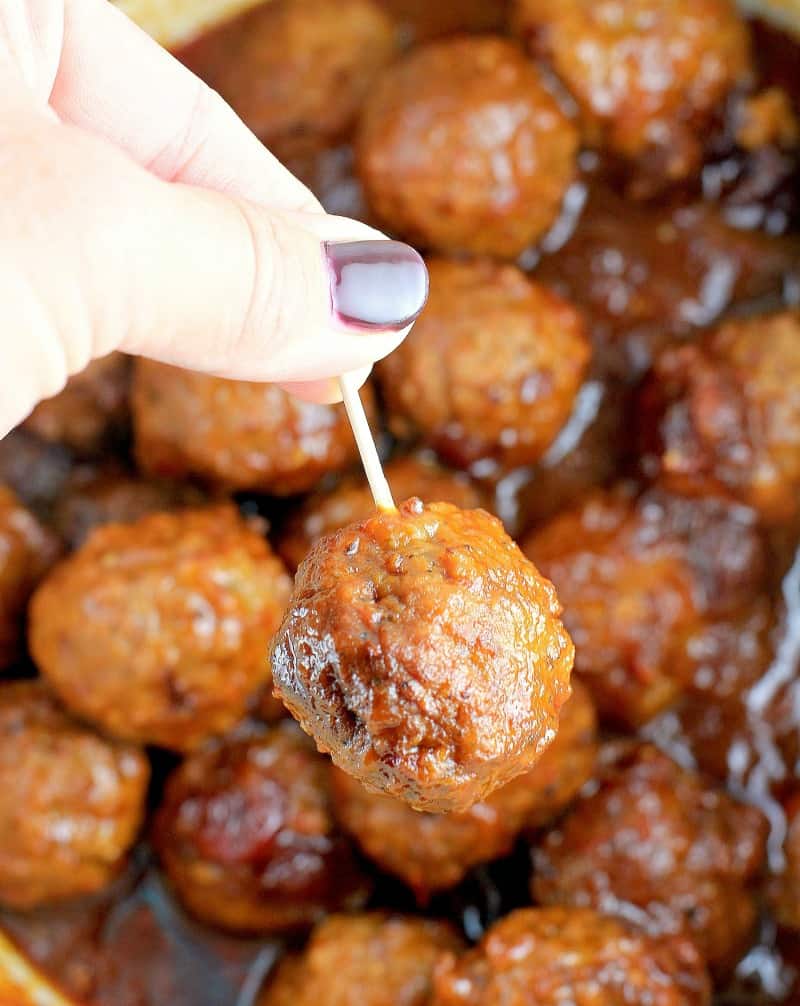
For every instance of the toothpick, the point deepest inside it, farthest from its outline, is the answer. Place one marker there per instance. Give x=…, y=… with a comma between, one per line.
x=378, y=485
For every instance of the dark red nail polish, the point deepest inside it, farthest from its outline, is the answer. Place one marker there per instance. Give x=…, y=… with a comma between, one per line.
x=376, y=284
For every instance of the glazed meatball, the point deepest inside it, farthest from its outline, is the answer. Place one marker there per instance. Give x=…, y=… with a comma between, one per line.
x=554, y=956
x=784, y=888
x=71, y=802
x=235, y=434
x=648, y=75
x=157, y=631
x=432, y=852
x=297, y=71
x=643, y=275
x=246, y=835
x=322, y=513
x=636, y=577
x=26, y=551
x=371, y=960
x=725, y=416
x=490, y=370
x=461, y=147
x=656, y=842
x=92, y=410
x=110, y=495
x=425, y=653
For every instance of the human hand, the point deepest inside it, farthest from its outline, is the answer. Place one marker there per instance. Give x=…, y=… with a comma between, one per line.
x=137, y=212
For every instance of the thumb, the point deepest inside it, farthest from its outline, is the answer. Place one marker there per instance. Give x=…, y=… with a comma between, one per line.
x=97, y=254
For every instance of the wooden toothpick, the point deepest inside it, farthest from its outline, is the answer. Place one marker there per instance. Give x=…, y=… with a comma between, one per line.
x=378, y=485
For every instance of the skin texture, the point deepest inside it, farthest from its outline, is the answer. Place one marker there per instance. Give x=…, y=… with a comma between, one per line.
x=156, y=630
x=297, y=71
x=648, y=75
x=638, y=577
x=657, y=843
x=432, y=852
x=247, y=838
x=351, y=501
x=724, y=416
x=490, y=370
x=92, y=497
x=92, y=410
x=71, y=802
x=550, y=956
x=363, y=960
x=26, y=552
x=425, y=654
x=460, y=147
x=234, y=434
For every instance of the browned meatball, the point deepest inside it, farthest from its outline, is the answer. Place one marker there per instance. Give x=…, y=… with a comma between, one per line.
x=297, y=71
x=26, y=551
x=91, y=411
x=157, y=631
x=648, y=75
x=322, y=513
x=432, y=852
x=657, y=842
x=110, y=495
x=554, y=956
x=784, y=888
x=368, y=960
x=425, y=653
x=637, y=576
x=725, y=415
x=71, y=802
x=490, y=370
x=246, y=835
x=462, y=148
x=235, y=434
x=643, y=275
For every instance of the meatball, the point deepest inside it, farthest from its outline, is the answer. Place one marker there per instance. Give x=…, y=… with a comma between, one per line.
x=106, y=495
x=156, y=631
x=235, y=434
x=638, y=576
x=643, y=276
x=71, y=802
x=490, y=370
x=371, y=959
x=246, y=835
x=784, y=888
x=724, y=416
x=425, y=653
x=322, y=513
x=297, y=71
x=26, y=551
x=649, y=76
x=432, y=852
x=461, y=147
x=92, y=410
x=554, y=956
x=656, y=842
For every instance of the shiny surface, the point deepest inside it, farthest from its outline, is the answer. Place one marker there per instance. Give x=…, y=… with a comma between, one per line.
x=156, y=630
x=235, y=434
x=461, y=148
x=490, y=370
x=425, y=654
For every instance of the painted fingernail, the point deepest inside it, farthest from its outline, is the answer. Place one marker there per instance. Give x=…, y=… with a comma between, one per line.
x=376, y=284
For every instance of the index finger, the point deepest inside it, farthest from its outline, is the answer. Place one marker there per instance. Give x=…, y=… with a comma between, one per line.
x=114, y=80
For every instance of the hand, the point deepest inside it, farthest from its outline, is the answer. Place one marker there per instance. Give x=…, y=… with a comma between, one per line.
x=137, y=212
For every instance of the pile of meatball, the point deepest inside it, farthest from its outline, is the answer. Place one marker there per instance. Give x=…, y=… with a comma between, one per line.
x=600, y=403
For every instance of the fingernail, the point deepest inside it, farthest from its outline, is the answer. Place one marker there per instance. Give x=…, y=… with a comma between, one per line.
x=376, y=284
